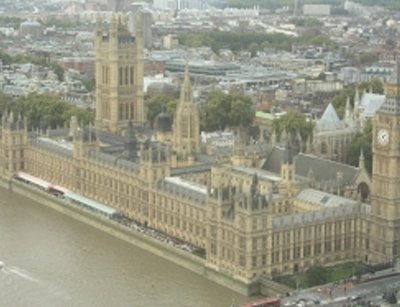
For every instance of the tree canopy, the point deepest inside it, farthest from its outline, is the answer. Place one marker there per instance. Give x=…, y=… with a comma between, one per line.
x=250, y=41
x=61, y=22
x=306, y=22
x=154, y=106
x=339, y=101
x=317, y=276
x=389, y=4
x=227, y=110
x=8, y=59
x=11, y=21
x=89, y=83
x=44, y=111
x=361, y=141
x=5, y=58
x=274, y=4
x=294, y=124
x=337, y=4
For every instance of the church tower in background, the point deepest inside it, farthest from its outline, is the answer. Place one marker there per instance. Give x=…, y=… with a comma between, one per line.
x=119, y=76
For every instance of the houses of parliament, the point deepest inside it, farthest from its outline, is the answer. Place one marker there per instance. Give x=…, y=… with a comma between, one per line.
x=257, y=210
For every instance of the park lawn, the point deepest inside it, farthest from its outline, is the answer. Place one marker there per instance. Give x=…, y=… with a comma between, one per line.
x=338, y=273
x=334, y=274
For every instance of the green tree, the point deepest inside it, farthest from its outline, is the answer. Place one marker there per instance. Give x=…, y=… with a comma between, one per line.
x=242, y=112
x=390, y=4
x=322, y=76
x=368, y=58
x=34, y=59
x=5, y=58
x=361, y=141
x=274, y=4
x=61, y=22
x=5, y=102
x=154, y=106
x=9, y=21
x=294, y=124
x=227, y=110
x=42, y=111
x=317, y=275
x=89, y=83
x=84, y=116
x=253, y=48
x=46, y=111
x=306, y=22
x=339, y=101
x=375, y=84
x=58, y=70
x=217, y=111
x=248, y=41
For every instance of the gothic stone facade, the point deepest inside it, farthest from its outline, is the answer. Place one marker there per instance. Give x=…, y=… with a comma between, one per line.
x=119, y=76
x=252, y=223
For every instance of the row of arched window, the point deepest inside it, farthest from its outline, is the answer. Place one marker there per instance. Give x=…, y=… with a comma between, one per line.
x=125, y=75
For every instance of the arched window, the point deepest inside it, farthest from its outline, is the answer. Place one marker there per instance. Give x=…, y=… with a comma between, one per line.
x=324, y=148
x=363, y=191
x=121, y=72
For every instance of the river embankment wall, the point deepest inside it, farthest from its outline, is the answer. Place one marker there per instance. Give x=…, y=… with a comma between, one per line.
x=179, y=257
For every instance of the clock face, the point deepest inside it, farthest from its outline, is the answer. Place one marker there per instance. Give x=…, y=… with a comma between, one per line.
x=383, y=137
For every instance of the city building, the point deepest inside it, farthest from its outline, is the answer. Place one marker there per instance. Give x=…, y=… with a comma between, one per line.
x=258, y=211
x=332, y=135
x=31, y=28
x=317, y=9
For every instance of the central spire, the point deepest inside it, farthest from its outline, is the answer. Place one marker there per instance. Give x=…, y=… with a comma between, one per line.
x=186, y=90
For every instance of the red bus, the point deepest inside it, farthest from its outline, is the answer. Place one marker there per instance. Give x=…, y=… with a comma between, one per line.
x=267, y=302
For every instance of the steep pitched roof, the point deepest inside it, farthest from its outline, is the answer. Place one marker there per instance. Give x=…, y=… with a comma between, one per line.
x=371, y=103
x=392, y=102
x=323, y=199
x=329, y=120
x=322, y=169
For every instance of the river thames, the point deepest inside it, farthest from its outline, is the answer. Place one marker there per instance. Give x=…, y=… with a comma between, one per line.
x=53, y=260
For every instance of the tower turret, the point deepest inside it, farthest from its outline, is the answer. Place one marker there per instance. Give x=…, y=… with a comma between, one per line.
x=348, y=112
x=357, y=102
x=119, y=77
x=84, y=140
x=288, y=172
x=186, y=141
x=13, y=144
x=154, y=163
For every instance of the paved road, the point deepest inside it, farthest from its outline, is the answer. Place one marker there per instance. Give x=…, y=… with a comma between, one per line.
x=340, y=295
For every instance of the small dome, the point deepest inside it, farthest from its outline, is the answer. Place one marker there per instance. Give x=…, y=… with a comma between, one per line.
x=163, y=121
x=32, y=28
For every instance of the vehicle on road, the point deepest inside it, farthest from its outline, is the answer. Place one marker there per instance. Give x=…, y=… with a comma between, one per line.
x=268, y=302
x=355, y=297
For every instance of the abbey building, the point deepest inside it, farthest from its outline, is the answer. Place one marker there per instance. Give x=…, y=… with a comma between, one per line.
x=258, y=211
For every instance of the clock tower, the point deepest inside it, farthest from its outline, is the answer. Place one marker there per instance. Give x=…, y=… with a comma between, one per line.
x=384, y=234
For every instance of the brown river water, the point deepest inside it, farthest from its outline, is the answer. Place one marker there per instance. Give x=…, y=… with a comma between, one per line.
x=53, y=260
